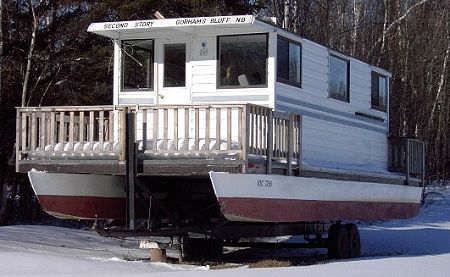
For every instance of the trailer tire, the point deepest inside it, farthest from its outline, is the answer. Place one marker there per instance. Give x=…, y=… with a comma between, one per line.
x=338, y=242
x=354, y=241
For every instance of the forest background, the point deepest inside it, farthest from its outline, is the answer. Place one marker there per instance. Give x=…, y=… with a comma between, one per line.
x=48, y=58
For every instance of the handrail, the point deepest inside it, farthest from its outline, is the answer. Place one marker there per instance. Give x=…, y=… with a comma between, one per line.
x=239, y=130
x=407, y=155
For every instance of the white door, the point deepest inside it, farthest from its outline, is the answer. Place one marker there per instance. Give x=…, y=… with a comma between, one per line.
x=174, y=73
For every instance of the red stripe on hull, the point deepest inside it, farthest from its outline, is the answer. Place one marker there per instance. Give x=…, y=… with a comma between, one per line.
x=289, y=210
x=83, y=207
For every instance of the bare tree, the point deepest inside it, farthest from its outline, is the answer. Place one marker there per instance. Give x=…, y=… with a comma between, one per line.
x=30, y=54
x=1, y=48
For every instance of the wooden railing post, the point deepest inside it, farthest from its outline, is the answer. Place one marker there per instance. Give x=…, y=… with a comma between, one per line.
x=245, y=137
x=144, y=129
x=423, y=163
x=18, y=139
x=130, y=154
x=269, y=146
x=300, y=143
x=122, y=133
x=290, y=137
x=408, y=159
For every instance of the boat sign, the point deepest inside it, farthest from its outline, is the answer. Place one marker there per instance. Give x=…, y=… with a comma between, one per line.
x=172, y=22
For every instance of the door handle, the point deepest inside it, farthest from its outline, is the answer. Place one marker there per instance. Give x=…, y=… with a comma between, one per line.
x=161, y=95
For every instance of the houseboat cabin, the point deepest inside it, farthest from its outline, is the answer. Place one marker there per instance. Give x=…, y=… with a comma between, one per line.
x=224, y=121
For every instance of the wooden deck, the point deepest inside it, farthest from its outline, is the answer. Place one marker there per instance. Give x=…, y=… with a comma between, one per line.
x=168, y=139
x=183, y=140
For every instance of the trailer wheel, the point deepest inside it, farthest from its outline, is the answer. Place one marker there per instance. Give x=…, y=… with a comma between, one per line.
x=338, y=242
x=354, y=242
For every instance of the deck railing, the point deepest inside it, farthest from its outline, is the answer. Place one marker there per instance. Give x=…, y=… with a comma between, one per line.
x=232, y=131
x=407, y=156
x=66, y=130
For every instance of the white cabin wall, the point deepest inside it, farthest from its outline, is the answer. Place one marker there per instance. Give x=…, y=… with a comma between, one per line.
x=332, y=133
x=203, y=69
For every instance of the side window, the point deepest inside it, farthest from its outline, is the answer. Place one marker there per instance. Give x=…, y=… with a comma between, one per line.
x=339, y=79
x=242, y=61
x=137, y=65
x=289, y=62
x=379, y=92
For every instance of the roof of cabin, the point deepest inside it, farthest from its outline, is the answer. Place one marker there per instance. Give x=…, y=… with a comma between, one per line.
x=139, y=28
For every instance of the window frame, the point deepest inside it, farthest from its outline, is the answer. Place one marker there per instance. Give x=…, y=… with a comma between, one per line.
x=282, y=80
x=122, y=68
x=386, y=83
x=347, y=61
x=218, y=86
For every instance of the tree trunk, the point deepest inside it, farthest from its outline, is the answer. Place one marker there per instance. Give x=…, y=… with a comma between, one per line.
x=442, y=80
x=30, y=56
x=1, y=48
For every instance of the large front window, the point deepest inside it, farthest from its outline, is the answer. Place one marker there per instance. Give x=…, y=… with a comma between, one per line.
x=242, y=61
x=339, y=79
x=379, y=92
x=137, y=64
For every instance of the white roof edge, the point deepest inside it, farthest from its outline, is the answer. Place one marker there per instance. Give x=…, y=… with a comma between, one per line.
x=272, y=26
x=381, y=71
x=102, y=27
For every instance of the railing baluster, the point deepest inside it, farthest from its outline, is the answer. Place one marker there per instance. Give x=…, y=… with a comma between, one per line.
x=252, y=130
x=260, y=145
x=71, y=128
x=240, y=128
x=218, y=119
x=52, y=130
x=111, y=126
x=197, y=129
x=91, y=130
x=81, y=133
x=24, y=131
x=42, y=127
x=166, y=129
x=101, y=131
x=186, y=127
x=155, y=130
x=207, y=126
x=175, y=129
x=229, y=128
x=61, y=131
x=33, y=132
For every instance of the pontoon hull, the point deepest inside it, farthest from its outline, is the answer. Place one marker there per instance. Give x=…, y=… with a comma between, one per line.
x=242, y=197
x=277, y=198
x=80, y=196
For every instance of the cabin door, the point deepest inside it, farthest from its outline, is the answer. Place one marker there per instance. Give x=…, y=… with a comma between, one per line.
x=174, y=73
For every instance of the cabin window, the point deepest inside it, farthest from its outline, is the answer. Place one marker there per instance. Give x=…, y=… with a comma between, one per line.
x=175, y=65
x=339, y=79
x=242, y=61
x=137, y=64
x=379, y=92
x=289, y=62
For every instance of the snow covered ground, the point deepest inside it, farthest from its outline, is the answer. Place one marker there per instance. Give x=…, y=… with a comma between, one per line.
x=414, y=247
